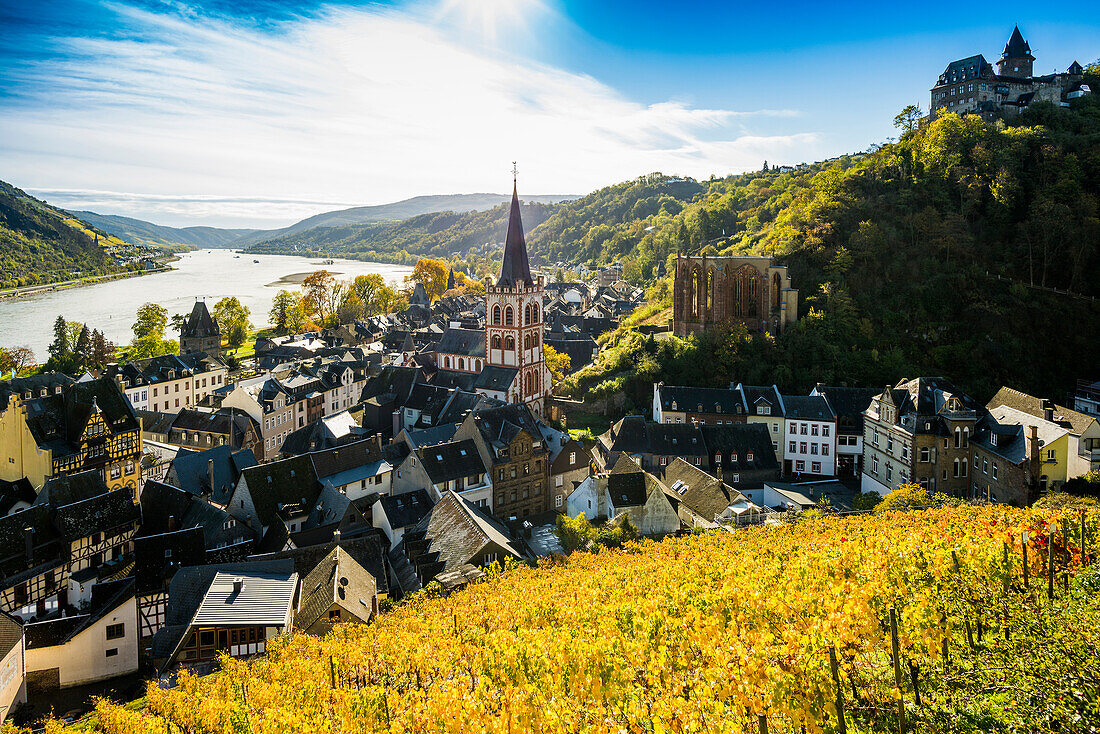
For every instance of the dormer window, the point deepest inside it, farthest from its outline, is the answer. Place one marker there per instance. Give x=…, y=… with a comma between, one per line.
x=764, y=410
x=748, y=456
x=733, y=456
x=674, y=405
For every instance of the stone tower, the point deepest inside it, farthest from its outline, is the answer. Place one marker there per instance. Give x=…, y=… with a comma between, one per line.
x=201, y=333
x=514, y=321
x=1016, y=60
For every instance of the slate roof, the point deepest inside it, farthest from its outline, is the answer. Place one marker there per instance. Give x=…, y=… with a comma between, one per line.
x=367, y=550
x=340, y=459
x=456, y=531
x=581, y=351
x=191, y=471
x=742, y=439
x=430, y=436
x=626, y=483
x=469, y=342
x=461, y=404
x=284, y=482
x=12, y=493
x=515, y=269
x=70, y=488
x=1016, y=47
x=98, y=514
x=447, y=461
x=495, y=377
x=808, y=407
x=264, y=599
x=336, y=578
x=11, y=632
x=1076, y=422
x=754, y=394
x=453, y=379
x=703, y=494
x=330, y=431
x=395, y=382
x=47, y=550
x=200, y=323
x=406, y=509
x=848, y=403
x=158, y=557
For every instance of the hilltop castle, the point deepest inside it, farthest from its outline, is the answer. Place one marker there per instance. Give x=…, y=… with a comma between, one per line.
x=970, y=86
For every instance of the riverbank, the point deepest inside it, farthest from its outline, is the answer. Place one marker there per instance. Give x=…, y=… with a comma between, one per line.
x=29, y=290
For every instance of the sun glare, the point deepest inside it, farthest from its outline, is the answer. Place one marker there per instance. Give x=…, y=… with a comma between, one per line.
x=488, y=17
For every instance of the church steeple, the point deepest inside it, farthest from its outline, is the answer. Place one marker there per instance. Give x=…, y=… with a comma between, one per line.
x=515, y=270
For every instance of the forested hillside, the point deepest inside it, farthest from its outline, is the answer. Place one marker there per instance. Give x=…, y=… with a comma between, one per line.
x=947, y=252
x=472, y=237
x=141, y=232
x=705, y=633
x=41, y=244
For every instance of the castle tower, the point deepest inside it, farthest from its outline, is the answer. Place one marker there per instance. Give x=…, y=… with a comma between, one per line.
x=201, y=333
x=514, y=321
x=1016, y=60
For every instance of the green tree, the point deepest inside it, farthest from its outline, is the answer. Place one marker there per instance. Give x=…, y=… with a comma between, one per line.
x=152, y=320
x=59, y=347
x=82, y=349
x=908, y=119
x=232, y=317
x=281, y=304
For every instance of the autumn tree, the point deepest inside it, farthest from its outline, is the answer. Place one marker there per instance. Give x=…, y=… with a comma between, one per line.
x=432, y=274
x=101, y=349
x=557, y=362
x=15, y=359
x=322, y=296
x=232, y=317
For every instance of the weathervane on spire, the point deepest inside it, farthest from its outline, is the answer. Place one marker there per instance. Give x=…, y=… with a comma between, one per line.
x=515, y=173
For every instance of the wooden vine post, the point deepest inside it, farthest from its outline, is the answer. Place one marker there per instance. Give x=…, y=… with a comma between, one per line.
x=1050, y=565
x=1023, y=547
x=895, y=647
x=1084, y=555
x=842, y=727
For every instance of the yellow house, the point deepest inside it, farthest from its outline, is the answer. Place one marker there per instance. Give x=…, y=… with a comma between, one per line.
x=52, y=425
x=1054, y=443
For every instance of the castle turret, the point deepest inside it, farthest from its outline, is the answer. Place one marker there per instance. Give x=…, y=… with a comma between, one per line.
x=1016, y=60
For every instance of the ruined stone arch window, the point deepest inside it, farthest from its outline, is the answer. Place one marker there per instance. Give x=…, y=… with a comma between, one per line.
x=509, y=316
x=695, y=292
x=776, y=288
x=710, y=290
x=745, y=293
x=496, y=314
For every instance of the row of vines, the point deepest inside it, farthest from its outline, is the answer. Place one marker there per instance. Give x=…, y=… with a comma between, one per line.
x=965, y=619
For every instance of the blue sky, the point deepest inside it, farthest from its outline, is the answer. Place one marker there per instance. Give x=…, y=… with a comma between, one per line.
x=260, y=113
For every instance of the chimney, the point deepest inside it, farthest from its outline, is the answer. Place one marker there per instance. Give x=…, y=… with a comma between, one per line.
x=336, y=535
x=1048, y=410
x=210, y=473
x=28, y=537
x=173, y=524
x=238, y=585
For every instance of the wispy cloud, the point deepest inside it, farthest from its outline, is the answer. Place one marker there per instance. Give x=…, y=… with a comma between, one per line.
x=350, y=105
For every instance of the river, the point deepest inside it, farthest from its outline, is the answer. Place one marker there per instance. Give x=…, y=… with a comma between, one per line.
x=199, y=275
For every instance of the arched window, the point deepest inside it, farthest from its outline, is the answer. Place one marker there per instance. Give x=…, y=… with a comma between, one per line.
x=478, y=365
x=745, y=293
x=695, y=292
x=966, y=437
x=509, y=342
x=534, y=313
x=496, y=314
x=776, y=288
x=461, y=363
x=710, y=290
x=495, y=341
x=509, y=318
x=527, y=314
x=958, y=439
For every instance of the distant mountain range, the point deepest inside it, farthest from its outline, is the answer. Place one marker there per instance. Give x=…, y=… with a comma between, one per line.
x=147, y=233
x=140, y=232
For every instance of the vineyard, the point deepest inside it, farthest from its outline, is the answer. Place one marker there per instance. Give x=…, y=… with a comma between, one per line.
x=968, y=619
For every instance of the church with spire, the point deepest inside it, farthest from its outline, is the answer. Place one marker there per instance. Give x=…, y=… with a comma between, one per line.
x=514, y=360
x=972, y=86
